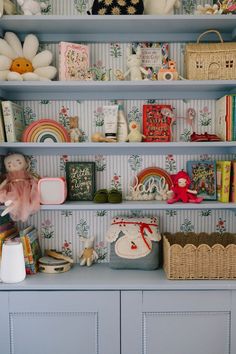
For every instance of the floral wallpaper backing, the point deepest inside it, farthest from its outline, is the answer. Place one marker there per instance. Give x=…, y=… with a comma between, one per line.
x=62, y=230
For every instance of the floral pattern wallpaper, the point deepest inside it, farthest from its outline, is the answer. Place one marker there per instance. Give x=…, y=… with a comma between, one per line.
x=62, y=230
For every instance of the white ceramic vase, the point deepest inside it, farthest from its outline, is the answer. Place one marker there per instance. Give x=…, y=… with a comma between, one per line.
x=12, y=262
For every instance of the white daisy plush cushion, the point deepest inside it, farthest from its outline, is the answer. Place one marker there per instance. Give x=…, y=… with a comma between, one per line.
x=18, y=63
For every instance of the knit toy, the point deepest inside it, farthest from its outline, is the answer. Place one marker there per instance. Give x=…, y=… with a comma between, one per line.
x=134, y=63
x=20, y=63
x=180, y=190
x=88, y=256
x=31, y=7
x=135, y=135
x=19, y=190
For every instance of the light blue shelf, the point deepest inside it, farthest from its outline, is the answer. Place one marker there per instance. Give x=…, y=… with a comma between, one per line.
x=95, y=90
x=139, y=205
x=90, y=148
x=177, y=28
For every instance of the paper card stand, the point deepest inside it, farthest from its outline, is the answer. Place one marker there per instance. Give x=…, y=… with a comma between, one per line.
x=52, y=190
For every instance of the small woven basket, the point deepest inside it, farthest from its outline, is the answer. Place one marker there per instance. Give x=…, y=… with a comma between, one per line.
x=210, y=61
x=200, y=256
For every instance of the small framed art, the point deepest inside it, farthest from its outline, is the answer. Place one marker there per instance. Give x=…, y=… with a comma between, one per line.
x=81, y=181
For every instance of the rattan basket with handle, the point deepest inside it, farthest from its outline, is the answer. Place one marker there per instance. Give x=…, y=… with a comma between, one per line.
x=200, y=256
x=210, y=61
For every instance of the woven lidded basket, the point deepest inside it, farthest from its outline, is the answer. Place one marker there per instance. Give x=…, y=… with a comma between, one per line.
x=210, y=61
x=200, y=256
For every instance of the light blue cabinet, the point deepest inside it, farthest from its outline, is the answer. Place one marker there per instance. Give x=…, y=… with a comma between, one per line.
x=4, y=321
x=98, y=310
x=179, y=322
x=62, y=323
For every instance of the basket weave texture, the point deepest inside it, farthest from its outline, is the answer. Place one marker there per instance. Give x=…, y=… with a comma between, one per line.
x=210, y=61
x=200, y=256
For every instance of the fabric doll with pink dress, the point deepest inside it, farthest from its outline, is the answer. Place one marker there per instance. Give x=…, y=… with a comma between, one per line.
x=19, y=190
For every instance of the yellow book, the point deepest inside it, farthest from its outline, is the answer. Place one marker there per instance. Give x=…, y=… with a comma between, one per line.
x=223, y=169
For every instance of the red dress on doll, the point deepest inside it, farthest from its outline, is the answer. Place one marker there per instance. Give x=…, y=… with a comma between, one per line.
x=22, y=189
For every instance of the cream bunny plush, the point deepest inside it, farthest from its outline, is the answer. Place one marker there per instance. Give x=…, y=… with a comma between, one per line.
x=7, y=7
x=88, y=256
x=134, y=63
x=31, y=7
x=160, y=7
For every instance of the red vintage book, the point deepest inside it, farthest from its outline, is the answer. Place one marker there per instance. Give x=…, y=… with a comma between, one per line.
x=157, y=122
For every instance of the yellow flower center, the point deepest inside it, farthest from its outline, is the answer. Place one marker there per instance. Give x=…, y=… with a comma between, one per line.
x=21, y=66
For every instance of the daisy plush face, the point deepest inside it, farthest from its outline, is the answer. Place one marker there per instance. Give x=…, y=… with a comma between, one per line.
x=21, y=62
x=15, y=162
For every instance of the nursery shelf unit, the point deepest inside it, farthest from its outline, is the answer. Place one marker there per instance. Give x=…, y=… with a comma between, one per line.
x=98, y=310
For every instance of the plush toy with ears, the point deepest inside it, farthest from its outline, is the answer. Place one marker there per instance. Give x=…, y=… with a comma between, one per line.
x=134, y=63
x=31, y=7
x=7, y=7
x=19, y=189
x=88, y=256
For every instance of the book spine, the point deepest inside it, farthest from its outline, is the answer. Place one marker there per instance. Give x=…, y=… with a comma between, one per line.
x=2, y=130
x=234, y=117
x=9, y=121
x=233, y=182
x=223, y=193
x=61, y=71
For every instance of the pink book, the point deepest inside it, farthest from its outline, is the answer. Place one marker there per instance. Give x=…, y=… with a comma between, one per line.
x=73, y=61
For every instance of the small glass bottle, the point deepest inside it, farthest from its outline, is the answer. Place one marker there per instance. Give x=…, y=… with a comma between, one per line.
x=122, y=125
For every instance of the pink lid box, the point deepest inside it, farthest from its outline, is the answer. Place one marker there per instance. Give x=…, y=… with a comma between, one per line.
x=52, y=190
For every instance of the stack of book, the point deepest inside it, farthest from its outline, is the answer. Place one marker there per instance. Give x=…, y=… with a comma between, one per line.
x=12, y=122
x=226, y=117
x=213, y=180
x=32, y=250
x=8, y=230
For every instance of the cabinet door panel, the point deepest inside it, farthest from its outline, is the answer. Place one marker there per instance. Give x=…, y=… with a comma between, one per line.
x=4, y=321
x=64, y=322
x=166, y=322
x=186, y=332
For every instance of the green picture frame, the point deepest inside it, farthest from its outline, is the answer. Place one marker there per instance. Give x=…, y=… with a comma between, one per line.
x=81, y=181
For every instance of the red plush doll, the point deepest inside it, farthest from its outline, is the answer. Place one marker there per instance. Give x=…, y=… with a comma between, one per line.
x=180, y=190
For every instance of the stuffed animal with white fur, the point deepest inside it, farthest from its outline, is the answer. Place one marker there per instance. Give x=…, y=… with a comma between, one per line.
x=22, y=62
x=31, y=7
x=160, y=7
x=135, y=135
x=134, y=63
x=7, y=7
x=88, y=256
